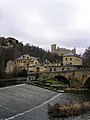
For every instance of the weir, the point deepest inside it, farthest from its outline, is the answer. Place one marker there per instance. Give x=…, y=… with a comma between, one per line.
x=20, y=99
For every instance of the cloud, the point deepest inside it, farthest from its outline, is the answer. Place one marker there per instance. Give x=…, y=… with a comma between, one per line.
x=44, y=22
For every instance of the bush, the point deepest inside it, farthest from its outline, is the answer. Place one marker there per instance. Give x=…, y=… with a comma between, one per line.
x=3, y=75
x=66, y=110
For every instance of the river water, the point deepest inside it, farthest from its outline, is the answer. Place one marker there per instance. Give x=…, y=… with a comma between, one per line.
x=41, y=112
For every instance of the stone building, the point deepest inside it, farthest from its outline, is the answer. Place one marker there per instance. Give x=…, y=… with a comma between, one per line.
x=72, y=59
x=61, y=51
x=22, y=62
x=10, y=66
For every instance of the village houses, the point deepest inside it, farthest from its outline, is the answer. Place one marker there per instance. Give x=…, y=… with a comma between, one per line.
x=33, y=64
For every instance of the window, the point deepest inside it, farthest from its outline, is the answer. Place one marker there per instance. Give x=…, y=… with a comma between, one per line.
x=24, y=61
x=70, y=59
x=62, y=69
x=50, y=69
x=23, y=57
x=27, y=57
x=70, y=63
x=68, y=69
x=54, y=69
x=38, y=69
x=61, y=64
x=66, y=59
x=45, y=66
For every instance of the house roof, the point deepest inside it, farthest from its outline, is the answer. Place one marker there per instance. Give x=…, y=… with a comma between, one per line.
x=10, y=61
x=33, y=58
x=64, y=49
x=21, y=57
x=71, y=54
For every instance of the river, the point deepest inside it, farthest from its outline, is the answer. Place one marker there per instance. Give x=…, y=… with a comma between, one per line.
x=41, y=112
x=27, y=102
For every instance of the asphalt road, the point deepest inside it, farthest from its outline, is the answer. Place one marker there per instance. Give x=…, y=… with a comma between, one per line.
x=21, y=101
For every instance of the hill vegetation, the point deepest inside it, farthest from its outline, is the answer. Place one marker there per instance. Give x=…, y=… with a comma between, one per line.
x=10, y=49
x=86, y=57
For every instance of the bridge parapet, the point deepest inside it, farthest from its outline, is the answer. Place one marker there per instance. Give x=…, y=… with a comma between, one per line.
x=80, y=76
x=75, y=75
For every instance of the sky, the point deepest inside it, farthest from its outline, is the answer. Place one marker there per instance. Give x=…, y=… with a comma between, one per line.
x=45, y=22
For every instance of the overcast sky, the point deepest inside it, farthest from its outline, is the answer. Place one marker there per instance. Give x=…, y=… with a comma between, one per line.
x=44, y=22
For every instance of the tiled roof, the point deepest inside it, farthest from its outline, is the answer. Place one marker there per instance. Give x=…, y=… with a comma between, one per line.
x=71, y=54
x=21, y=57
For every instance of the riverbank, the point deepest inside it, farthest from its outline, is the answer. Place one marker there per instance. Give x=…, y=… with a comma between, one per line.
x=75, y=89
x=67, y=110
x=26, y=99
x=13, y=81
x=47, y=87
x=57, y=88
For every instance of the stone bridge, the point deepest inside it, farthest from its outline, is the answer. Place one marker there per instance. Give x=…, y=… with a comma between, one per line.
x=79, y=77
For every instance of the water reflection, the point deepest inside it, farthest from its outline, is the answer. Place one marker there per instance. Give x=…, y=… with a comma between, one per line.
x=81, y=117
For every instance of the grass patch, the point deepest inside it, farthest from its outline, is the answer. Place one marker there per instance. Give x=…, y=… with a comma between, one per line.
x=55, y=82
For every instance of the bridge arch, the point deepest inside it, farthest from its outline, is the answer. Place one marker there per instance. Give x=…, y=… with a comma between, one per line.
x=87, y=83
x=62, y=79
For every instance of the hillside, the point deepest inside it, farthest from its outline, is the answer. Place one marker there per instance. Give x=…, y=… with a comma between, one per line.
x=10, y=49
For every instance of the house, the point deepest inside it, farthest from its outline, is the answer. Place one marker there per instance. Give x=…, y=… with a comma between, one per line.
x=10, y=66
x=33, y=61
x=31, y=64
x=22, y=62
x=38, y=68
x=35, y=65
x=72, y=59
x=46, y=62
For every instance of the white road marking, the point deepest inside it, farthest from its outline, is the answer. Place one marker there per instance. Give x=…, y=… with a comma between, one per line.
x=33, y=108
